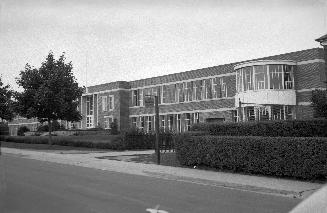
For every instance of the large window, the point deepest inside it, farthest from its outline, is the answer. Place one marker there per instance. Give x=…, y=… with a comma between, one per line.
x=276, y=76
x=261, y=77
x=89, y=105
x=89, y=111
x=104, y=103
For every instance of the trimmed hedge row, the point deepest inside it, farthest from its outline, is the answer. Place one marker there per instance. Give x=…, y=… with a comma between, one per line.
x=4, y=129
x=290, y=128
x=113, y=142
x=296, y=157
x=131, y=140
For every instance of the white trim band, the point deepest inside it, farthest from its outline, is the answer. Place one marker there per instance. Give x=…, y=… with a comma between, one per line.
x=264, y=62
x=311, y=61
x=310, y=89
x=304, y=104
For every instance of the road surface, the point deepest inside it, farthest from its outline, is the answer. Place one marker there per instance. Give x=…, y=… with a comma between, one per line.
x=37, y=186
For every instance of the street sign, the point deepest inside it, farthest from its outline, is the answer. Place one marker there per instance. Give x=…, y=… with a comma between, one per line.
x=149, y=101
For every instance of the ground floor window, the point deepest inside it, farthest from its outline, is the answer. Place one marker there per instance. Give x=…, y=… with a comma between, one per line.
x=134, y=123
x=262, y=113
x=89, y=121
x=107, y=122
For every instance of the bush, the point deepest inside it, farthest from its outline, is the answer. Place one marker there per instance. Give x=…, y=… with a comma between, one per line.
x=114, y=127
x=4, y=129
x=136, y=139
x=296, y=157
x=110, y=142
x=291, y=128
x=55, y=127
x=22, y=130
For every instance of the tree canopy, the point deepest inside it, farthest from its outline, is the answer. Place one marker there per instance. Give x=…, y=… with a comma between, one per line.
x=6, y=102
x=49, y=92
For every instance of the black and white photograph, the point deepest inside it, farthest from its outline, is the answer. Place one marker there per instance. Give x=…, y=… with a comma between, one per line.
x=163, y=106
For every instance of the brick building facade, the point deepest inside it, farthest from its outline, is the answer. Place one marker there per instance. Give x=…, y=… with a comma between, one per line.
x=271, y=88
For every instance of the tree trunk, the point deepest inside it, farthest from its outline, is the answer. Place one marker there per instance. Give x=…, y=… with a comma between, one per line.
x=50, y=130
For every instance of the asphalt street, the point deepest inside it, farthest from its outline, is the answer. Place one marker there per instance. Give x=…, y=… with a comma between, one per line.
x=37, y=186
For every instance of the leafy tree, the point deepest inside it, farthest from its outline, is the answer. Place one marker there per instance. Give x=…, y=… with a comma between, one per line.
x=319, y=103
x=50, y=92
x=6, y=102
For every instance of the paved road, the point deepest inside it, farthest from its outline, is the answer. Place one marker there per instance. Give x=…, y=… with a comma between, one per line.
x=37, y=186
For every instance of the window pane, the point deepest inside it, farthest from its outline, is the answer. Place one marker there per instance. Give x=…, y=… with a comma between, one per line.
x=248, y=78
x=261, y=79
x=288, y=77
x=276, y=76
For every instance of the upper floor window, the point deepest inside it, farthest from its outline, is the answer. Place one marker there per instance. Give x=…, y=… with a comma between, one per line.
x=104, y=103
x=111, y=102
x=135, y=97
x=89, y=105
x=260, y=77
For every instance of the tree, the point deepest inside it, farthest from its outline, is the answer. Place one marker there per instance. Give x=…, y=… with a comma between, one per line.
x=6, y=102
x=50, y=92
x=319, y=103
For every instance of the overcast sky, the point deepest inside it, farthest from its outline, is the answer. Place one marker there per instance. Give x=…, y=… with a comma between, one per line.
x=113, y=40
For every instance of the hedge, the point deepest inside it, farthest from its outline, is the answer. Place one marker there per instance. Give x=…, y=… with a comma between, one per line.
x=290, y=128
x=112, y=142
x=296, y=157
x=4, y=129
x=129, y=140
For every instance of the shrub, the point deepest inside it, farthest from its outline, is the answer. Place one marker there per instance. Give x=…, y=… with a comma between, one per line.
x=55, y=127
x=297, y=157
x=114, y=127
x=111, y=142
x=22, y=130
x=4, y=129
x=136, y=139
x=290, y=128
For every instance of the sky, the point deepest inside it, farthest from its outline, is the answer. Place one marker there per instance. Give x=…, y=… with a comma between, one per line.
x=121, y=40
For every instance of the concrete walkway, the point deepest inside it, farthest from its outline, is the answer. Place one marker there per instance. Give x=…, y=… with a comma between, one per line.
x=283, y=187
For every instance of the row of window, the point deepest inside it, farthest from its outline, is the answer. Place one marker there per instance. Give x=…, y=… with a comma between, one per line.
x=107, y=103
x=261, y=113
x=265, y=77
x=205, y=89
x=171, y=122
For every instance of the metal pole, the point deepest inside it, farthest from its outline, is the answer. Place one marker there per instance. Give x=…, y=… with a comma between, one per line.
x=156, y=108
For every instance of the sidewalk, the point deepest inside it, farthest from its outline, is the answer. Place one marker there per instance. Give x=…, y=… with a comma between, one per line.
x=290, y=188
